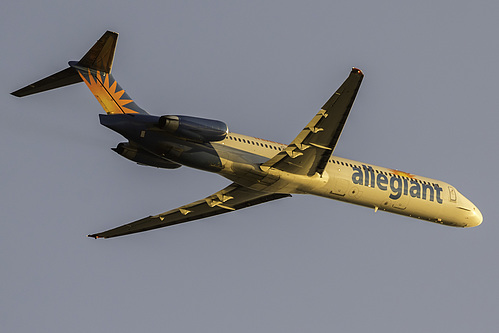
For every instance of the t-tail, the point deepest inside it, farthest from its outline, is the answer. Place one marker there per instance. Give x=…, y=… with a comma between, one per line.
x=95, y=70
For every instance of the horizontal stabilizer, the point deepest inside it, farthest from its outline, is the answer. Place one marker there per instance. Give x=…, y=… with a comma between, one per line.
x=99, y=58
x=60, y=79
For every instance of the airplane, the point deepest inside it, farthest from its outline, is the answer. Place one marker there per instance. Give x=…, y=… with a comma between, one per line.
x=260, y=170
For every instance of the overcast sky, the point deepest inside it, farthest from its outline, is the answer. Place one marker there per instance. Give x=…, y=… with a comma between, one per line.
x=427, y=105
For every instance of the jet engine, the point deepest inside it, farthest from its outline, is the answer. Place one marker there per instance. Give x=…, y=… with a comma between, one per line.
x=193, y=128
x=143, y=157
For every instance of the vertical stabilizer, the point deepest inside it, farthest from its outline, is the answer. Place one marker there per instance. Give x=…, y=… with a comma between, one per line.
x=107, y=91
x=100, y=57
x=95, y=70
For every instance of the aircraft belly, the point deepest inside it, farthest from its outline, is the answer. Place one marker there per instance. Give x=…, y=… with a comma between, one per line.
x=235, y=155
x=242, y=167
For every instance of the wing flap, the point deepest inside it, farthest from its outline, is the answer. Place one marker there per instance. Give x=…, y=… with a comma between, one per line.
x=231, y=198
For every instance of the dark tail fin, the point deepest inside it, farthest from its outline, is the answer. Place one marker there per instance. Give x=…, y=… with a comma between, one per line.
x=95, y=70
x=100, y=57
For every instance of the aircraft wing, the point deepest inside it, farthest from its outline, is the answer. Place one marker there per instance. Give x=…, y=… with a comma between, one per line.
x=231, y=198
x=309, y=152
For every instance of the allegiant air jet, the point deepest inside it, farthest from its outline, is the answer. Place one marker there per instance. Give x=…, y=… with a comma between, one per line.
x=260, y=170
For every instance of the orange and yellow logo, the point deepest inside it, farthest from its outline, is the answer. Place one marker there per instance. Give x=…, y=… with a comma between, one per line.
x=402, y=173
x=106, y=90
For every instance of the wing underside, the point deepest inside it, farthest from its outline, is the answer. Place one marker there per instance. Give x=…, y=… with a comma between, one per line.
x=231, y=198
x=309, y=152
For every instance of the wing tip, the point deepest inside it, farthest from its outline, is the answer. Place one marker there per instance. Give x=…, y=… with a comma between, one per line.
x=95, y=236
x=356, y=70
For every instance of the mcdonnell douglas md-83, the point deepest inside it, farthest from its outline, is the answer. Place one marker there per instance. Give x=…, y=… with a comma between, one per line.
x=260, y=170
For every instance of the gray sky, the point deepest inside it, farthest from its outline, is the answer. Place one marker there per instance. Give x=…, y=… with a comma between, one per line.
x=428, y=105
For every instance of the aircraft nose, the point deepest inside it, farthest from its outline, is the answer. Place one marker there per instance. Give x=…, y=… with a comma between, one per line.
x=476, y=218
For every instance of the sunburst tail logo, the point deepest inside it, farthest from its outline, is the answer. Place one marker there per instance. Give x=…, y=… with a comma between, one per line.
x=112, y=98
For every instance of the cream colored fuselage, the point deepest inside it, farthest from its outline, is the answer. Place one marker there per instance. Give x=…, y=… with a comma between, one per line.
x=348, y=180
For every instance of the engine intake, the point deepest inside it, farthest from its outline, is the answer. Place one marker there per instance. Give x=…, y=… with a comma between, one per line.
x=193, y=128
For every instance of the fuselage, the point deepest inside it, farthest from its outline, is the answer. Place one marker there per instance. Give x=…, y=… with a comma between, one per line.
x=239, y=157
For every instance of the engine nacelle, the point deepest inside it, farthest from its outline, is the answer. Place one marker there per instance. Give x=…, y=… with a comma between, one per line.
x=143, y=157
x=193, y=128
